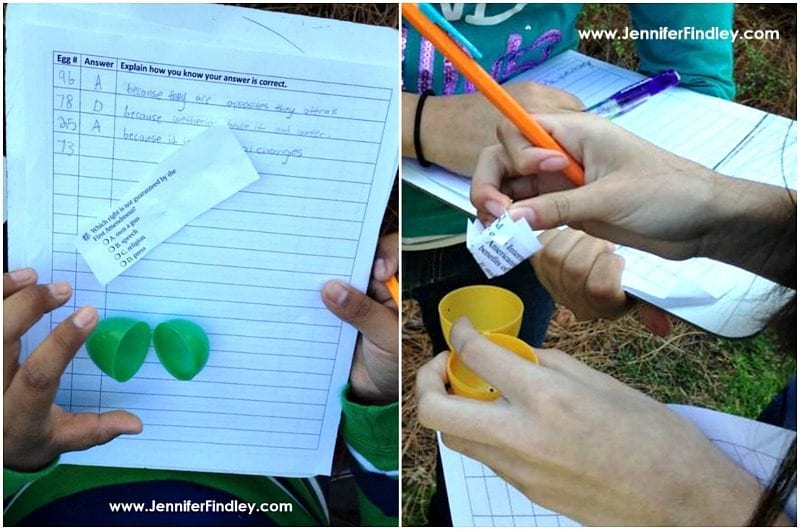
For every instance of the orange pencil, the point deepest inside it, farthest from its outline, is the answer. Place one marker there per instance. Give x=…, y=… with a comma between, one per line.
x=394, y=289
x=501, y=99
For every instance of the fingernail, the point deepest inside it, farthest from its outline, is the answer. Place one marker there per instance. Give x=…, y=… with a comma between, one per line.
x=85, y=317
x=494, y=208
x=336, y=292
x=22, y=275
x=379, y=269
x=134, y=427
x=553, y=163
x=520, y=212
x=59, y=290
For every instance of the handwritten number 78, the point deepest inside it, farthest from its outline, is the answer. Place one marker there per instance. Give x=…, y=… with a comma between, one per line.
x=65, y=102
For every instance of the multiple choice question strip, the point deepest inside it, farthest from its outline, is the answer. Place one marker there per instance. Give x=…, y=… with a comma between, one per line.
x=248, y=271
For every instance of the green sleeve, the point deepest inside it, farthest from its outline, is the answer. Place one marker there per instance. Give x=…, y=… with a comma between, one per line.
x=705, y=65
x=13, y=481
x=372, y=430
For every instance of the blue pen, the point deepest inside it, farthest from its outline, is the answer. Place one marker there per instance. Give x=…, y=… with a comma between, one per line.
x=435, y=17
x=632, y=96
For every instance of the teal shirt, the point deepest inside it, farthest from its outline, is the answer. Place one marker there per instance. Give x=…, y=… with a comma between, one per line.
x=516, y=37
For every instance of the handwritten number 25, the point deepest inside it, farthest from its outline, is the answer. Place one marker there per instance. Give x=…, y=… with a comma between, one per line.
x=67, y=123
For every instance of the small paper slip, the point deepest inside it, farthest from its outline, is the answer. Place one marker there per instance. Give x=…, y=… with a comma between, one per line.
x=206, y=171
x=502, y=245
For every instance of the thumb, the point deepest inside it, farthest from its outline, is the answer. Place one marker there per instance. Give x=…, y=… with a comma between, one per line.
x=375, y=321
x=77, y=432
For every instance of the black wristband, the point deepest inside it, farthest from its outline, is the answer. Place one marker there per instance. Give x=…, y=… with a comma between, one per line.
x=417, y=120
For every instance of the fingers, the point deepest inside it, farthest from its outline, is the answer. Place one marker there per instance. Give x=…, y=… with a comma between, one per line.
x=493, y=166
x=582, y=273
x=654, y=319
x=25, y=307
x=386, y=258
x=603, y=287
x=385, y=267
x=375, y=321
x=464, y=417
x=509, y=167
x=504, y=370
x=525, y=158
x=561, y=208
x=76, y=432
x=15, y=280
x=35, y=385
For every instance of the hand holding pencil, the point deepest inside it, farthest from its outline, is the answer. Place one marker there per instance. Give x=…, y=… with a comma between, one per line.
x=500, y=98
x=636, y=194
x=375, y=373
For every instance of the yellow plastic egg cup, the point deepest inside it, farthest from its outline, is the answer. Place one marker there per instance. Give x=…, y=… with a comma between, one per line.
x=490, y=309
x=467, y=383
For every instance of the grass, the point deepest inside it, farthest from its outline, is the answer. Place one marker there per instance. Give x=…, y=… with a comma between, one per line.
x=758, y=373
x=691, y=367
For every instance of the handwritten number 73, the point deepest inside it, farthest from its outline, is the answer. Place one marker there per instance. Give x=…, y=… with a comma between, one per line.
x=67, y=147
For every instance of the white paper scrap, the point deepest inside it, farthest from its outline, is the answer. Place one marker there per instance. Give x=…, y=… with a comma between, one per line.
x=195, y=178
x=502, y=245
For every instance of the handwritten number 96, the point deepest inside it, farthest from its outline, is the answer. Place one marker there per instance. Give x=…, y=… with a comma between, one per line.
x=66, y=77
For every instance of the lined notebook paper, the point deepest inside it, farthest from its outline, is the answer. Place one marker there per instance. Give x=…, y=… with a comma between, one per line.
x=733, y=139
x=95, y=112
x=478, y=497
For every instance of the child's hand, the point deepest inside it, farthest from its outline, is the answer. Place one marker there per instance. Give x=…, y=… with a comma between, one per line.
x=375, y=373
x=35, y=430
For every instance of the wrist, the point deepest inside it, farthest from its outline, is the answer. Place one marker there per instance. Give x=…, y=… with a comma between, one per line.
x=427, y=131
x=754, y=227
x=364, y=391
x=408, y=108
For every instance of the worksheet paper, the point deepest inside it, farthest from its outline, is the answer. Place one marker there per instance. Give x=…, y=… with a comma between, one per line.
x=254, y=29
x=733, y=139
x=99, y=111
x=478, y=497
